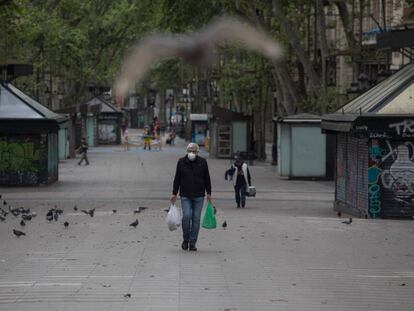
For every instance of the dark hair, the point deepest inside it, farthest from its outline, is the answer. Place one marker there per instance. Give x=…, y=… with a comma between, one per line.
x=238, y=160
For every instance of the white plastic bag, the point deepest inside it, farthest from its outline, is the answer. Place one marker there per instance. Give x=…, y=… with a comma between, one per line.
x=251, y=191
x=173, y=218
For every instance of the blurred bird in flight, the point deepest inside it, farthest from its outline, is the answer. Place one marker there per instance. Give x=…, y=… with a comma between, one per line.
x=195, y=48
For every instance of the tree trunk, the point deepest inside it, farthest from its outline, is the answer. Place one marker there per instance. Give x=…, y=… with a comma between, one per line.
x=349, y=34
x=289, y=95
x=288, y=99
x=294, y=41
x=323, y=45
x=280, y=94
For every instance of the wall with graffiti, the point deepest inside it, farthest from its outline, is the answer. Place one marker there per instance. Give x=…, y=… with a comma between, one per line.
x=375, y=168
x=391, y=177
x=23, y=159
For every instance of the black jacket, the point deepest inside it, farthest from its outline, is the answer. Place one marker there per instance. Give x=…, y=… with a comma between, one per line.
x=192, y=178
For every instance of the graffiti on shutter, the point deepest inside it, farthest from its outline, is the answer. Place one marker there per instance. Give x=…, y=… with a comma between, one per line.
x=391, y=178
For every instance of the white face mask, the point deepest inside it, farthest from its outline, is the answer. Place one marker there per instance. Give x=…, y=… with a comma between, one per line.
x=191, y=156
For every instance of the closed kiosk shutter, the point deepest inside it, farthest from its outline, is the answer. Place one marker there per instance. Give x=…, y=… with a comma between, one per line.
x=352, y=173
x=391, y=178
x=341, y=159
x=362, y=180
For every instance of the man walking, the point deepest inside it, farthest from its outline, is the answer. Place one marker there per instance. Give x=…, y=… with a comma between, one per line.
x=83, y=149
x=192, y=179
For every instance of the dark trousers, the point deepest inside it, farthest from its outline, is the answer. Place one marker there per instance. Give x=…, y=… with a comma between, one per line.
x=84, y=157
x=240, y=191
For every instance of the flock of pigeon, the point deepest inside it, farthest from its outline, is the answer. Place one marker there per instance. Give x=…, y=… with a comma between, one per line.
x=52, y=214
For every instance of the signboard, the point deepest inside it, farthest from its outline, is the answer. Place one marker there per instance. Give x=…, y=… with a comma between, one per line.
x=198, y=117
x=397, y=127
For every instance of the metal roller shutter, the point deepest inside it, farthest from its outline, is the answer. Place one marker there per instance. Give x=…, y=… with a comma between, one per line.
x=391, y=178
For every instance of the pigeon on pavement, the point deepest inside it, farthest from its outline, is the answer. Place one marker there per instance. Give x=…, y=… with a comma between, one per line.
x=15, y=211
x=27, y=217
x=134, y=224
x=140, y=209
x=91, y=212
x=224, y=225
x=347, y=222
x=22, y=223
x=49, y=215
x=66, y=224
x=23, y=210
x=18, y=233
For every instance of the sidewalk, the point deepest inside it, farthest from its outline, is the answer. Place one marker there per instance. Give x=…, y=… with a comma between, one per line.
x=286, y=251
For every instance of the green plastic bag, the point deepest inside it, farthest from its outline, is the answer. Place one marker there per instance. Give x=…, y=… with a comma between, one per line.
x=209, y=220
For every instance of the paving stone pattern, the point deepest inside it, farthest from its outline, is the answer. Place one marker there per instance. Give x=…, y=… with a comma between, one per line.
x=286, y=251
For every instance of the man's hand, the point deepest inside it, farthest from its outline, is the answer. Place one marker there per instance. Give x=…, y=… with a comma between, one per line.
x=209, y=197
x=173, y=199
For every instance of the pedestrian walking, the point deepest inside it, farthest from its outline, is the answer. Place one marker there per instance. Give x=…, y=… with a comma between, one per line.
x=157, y=143
x=83, y=150
x=192, y=180
x=126, y=141
x=147, y=139
x=241, y=178
x=171, y=138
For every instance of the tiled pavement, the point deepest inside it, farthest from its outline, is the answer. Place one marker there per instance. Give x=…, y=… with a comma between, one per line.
x=286, y=251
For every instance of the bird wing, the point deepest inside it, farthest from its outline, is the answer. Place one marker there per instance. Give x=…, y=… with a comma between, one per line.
x=234, y=30
x=148, y=51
